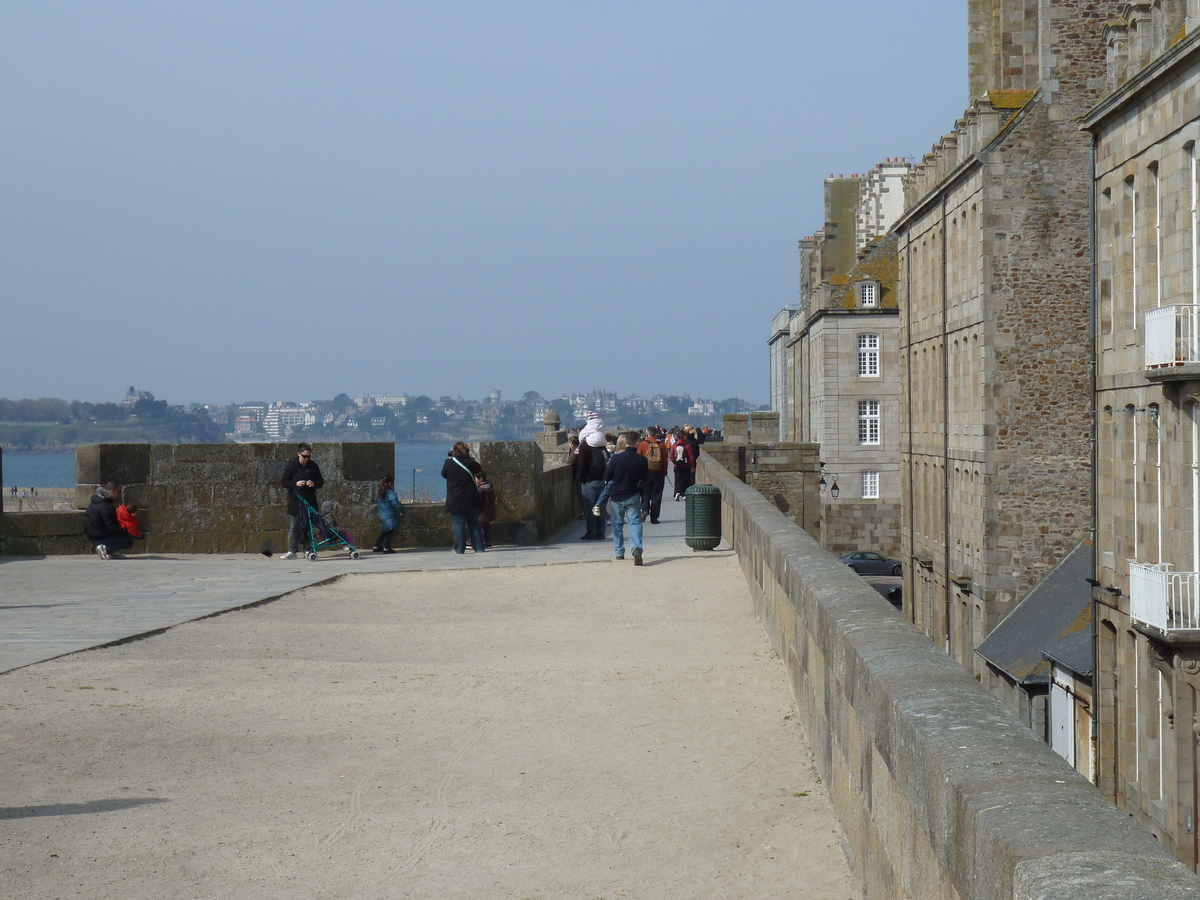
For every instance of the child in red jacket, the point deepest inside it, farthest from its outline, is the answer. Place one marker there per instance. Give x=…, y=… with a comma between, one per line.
x=127, y=518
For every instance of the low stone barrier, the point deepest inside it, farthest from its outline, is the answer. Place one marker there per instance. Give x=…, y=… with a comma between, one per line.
x=940, y=791
x=226, y=498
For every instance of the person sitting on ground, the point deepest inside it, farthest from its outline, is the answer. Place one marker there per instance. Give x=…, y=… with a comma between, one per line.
x=127, y=518
x=100, y=523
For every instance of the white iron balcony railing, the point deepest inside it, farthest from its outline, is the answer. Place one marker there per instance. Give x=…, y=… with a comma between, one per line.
x=1169, y=601
x=1172, y=336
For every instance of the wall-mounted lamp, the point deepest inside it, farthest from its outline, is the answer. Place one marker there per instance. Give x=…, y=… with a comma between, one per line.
x=834, y=490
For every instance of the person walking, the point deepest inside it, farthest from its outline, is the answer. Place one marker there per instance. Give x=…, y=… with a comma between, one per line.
x=463, y=497
x=590, y=469
x=681, y=464
x=656, y=460
x=301, y=478
x=624, y=477
x=390, y=511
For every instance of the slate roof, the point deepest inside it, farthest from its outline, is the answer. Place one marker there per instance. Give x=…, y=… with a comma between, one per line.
x=1054, y=617
x=1073, y=651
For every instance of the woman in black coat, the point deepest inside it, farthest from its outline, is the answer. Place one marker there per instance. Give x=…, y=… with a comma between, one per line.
x=463, y=498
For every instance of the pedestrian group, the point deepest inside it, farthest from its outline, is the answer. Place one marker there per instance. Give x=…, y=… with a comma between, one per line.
x=619, y=480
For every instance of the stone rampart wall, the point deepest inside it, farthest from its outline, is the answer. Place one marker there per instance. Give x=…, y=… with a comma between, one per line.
x=941, y=792
x=226, y=498
x=786, y=474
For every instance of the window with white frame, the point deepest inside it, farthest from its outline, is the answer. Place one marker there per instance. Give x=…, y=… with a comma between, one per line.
x=868, y=295
x=870, y=485
x=868, y=355
x=868, y=421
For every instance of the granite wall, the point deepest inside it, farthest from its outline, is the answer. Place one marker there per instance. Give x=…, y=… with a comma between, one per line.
x=226, y=498
x=941, y=792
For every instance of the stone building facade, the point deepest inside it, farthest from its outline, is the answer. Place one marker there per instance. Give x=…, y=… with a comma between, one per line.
x=993, y=329
x=881, y=201
x=841, y=361
x=1147, y=427
x=780, y=369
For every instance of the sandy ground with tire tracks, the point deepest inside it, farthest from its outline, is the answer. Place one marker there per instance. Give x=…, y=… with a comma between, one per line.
x=591, y=730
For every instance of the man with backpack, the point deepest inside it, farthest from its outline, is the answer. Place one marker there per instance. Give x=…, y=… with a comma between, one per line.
x=655, y=450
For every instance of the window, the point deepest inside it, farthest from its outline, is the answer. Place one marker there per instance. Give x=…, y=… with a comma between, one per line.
x=868, y=355
x=1131, y=269
x=868, y=295
x=868, y=421
x=870, y=485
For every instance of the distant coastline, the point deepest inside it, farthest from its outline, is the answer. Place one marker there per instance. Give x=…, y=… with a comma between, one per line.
x=418, y=467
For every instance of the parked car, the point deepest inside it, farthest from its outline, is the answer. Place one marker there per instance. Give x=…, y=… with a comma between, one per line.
x=867, y=563
x=895, y=596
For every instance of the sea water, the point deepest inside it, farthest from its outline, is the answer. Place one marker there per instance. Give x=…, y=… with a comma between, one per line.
x=418, y=467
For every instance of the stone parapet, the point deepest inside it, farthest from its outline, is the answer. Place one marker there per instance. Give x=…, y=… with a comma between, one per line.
x=227, y=498
x=42, y=534
x=736, y=428
x=940, y=790
x=788, y=474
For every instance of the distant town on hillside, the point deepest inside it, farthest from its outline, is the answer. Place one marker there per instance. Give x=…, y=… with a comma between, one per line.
x=50, y=424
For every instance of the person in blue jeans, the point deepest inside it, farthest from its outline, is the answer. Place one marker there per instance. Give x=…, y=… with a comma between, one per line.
x=591, y=464
x=463, y=497
x=100, y=523
x=624, y=479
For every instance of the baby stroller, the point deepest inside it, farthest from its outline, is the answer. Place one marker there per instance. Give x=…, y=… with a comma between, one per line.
x=321, y=534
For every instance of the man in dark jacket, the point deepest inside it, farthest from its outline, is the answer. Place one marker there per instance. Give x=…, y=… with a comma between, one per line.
x=301, y=478
x=463, y=497
x=656, y=453
x=100, y=522
x=626, y=476
x=590, y=468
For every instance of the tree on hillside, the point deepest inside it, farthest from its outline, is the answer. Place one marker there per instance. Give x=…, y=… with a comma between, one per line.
x=565, y=410
x=151, y=410
x=107, y=412
x=43, y=409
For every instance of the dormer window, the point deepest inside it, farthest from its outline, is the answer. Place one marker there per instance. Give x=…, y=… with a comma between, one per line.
x=868, y=295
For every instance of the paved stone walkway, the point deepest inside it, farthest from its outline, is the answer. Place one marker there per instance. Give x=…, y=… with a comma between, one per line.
x=469, y=727
x=62, y=604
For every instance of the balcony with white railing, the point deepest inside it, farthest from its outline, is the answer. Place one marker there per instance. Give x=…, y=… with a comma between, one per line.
x=1173, y=341
x=1163, y=599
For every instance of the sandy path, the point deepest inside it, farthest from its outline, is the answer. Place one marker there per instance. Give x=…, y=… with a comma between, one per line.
x=588, y=731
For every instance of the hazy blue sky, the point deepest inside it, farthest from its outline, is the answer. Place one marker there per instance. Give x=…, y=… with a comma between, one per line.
x=222, y=201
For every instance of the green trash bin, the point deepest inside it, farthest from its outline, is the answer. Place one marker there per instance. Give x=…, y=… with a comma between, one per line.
x=702, y=517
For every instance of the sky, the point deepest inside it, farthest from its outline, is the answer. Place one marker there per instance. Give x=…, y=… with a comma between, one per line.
x=219, y=201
